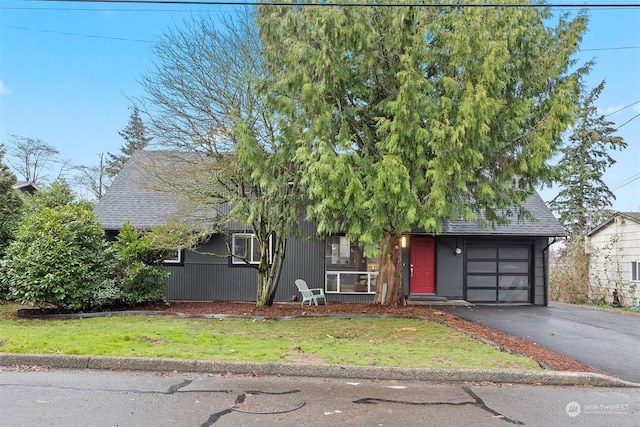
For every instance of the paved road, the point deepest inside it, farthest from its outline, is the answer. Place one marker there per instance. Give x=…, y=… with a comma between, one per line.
x=606, y=340
x=127, y=398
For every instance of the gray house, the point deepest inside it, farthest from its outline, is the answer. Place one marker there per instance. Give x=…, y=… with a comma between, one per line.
x=501, y=264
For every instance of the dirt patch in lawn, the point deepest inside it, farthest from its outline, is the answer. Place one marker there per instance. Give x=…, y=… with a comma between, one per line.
x=547, y=358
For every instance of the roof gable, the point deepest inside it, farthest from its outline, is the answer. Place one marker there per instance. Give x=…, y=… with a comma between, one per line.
x=129, y=197
x=631, y=216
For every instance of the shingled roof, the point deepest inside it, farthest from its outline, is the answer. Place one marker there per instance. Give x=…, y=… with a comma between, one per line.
x=129, y=198
x=545, y=224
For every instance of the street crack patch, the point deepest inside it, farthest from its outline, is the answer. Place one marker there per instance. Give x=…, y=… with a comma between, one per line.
x=177, y=387
x=480, y=403
x=477, y=401
x=240, y=400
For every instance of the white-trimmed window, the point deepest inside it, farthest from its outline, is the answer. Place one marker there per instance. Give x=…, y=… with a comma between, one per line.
x=635, y=271
x=347, y=270
x=173, y=258
x=246, y=249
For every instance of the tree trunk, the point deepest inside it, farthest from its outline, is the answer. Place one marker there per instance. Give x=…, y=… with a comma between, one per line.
x=269, y=273
x=390, y=274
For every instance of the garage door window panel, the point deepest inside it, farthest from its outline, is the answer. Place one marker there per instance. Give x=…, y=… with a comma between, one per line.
x=481, y=282
x=482, y=253
x=513, y=295
x=481, y=267
x=513, y=253
x=512, y=267
x=488, y=295
x=513, y=282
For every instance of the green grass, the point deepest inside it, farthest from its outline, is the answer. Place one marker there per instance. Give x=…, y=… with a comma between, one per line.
x=382, y=342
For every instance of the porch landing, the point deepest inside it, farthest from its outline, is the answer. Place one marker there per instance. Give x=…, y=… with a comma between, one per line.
x=439, y=301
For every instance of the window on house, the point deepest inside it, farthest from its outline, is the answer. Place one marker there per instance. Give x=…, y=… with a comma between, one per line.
x=635, y=271
x=173, y=258
x=347, y=270
x=246, y=249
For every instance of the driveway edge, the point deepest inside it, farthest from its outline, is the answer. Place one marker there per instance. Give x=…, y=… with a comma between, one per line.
x=559, y=378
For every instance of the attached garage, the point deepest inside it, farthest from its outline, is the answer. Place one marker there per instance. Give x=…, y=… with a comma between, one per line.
x=484, y=264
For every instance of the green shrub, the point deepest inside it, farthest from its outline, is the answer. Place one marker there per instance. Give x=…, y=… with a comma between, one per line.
x=4, y=283
x=138, y=268
x=60, y=257
x=10, y=205
x=59, y=193
x=57, y=257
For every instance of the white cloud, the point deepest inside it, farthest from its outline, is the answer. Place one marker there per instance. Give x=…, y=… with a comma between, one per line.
x=3, y=89
x=636, y=108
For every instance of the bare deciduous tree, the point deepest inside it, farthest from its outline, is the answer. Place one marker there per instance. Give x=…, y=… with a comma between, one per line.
x=94, y=178
x=231, y=158
x=33, y=159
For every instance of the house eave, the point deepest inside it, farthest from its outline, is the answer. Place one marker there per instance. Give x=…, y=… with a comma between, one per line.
x=610, y=219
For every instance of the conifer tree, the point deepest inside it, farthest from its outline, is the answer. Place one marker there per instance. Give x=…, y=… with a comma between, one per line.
x=584, y=199
x=413, y=115
x=135, y=136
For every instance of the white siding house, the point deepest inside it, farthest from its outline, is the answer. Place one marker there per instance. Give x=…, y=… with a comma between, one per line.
x=614, y=264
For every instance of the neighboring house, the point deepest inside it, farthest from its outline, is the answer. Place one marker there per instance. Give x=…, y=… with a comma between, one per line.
x=614, y=258
x=26, y=186
x=501, y=264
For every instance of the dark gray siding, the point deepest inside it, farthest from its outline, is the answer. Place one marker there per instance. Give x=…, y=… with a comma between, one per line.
x=540, y=283
x=305, y=260
x=449, y=268
x=211, y=282
x=206, y=277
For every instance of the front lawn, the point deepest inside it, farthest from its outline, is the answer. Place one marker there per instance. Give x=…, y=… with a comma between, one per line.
x=382, y=342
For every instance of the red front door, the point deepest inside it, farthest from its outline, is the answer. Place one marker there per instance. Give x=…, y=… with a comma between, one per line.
x=423, y=257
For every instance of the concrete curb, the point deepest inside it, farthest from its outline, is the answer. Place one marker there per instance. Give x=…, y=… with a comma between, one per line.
x=322, y=371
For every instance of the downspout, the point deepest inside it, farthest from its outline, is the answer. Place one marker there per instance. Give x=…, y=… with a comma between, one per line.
x=545, y=277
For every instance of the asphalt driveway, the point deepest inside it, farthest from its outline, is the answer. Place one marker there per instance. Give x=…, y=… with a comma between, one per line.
x=609, y=341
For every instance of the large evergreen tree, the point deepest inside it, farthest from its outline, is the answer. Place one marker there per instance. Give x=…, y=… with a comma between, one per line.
x=135, y=137
x=413, y=115
x=584, y=199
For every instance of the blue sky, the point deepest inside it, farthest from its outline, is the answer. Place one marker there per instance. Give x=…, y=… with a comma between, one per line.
x=68, y=71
